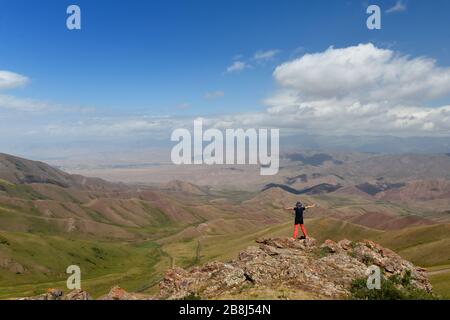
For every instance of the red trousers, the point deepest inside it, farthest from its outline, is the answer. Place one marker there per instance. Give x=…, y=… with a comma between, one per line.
x=303, y=230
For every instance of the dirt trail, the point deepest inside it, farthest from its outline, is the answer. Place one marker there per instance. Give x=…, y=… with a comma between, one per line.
x=442, y=271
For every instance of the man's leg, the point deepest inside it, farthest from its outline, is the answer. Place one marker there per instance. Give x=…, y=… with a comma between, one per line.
x=304, y=230
x=295, y=231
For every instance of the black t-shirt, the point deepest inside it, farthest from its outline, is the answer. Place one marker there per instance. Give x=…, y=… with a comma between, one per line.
x=299, y=211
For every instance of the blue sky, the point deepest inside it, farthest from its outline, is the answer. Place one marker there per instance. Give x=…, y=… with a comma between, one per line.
x=170, y=58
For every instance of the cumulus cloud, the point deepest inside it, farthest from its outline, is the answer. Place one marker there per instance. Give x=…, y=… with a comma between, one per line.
x=237, y=66
x=364, y=72
x=10, y=80
x=399, y=6
x=361, y=89
x=357, y=90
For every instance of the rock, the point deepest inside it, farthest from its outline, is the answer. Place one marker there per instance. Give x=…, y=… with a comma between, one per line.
x=15, y=267
x=11, y=265
x=345, y=244
x=117, y=293
x=296, y=265
x=51, y=294
x=330, y=245
x=78, y=295
x=54, y=294
x=289, y=263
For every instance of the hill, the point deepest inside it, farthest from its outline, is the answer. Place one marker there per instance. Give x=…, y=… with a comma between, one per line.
x=123, y=230
x=280, y=268
x=22, y=171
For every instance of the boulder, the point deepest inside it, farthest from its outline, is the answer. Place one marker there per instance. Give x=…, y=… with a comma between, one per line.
x=78, y=295
x=117, y=293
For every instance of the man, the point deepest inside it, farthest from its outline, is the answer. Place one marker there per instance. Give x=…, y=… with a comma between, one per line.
x=299, y=209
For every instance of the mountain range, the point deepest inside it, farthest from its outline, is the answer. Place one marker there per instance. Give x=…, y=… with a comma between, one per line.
x=130, y=233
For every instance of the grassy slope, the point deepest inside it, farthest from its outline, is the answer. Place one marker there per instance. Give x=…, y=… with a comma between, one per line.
x=103, y=264
x=139, y=265
x=440, y=277
x=426, y=246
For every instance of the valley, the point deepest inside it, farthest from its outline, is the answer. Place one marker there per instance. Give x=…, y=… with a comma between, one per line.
x=130, y=234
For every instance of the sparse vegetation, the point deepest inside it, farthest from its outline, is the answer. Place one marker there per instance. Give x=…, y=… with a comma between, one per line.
x=392, y=288
x=367, y=260
x=192, y=296
x=323, y=252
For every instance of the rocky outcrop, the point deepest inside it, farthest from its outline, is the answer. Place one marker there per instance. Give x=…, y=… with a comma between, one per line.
x=57, y=294
x=326, y=270
x=323, y=271
x=12, y=266
x=117, y=293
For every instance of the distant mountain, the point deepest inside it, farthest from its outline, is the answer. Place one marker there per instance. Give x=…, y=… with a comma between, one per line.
x=315, y=190
x=405, y=167
x=22, y=171
x=370, y=144
x=186, y=187
x=422, y=190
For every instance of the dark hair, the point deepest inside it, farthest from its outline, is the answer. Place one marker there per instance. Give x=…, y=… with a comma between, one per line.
x=298, y=204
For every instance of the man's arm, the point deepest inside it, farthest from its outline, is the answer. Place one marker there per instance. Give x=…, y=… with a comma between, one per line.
x=311, y=206
x=290, y=208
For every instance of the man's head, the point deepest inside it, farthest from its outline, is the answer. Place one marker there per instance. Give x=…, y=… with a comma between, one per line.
x=298, y=204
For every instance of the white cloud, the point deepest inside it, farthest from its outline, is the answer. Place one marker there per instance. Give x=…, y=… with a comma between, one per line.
x=265, y=55
x=366, y=73
x=114, y=127
x=362, y=90
x=213, y=94
x=10, y=80
x=399, y=6
x=358, y=90
x=22, y=104
x=237, y=66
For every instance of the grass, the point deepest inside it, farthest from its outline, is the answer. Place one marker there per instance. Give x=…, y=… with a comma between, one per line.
x=19, y=191
x=426, y=246
x=138, y=264
x=103, y=264
x=440, y=279
x=391, y=289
